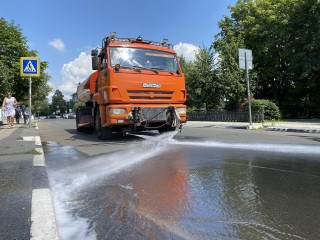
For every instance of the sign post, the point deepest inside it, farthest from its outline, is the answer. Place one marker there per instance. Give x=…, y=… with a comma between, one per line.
x=245, y=62
x=30, y=67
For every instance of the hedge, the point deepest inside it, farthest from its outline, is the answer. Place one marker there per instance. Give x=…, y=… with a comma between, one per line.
x=268, y=108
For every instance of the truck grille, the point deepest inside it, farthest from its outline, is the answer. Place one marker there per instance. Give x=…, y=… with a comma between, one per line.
x=154, y=113
x=150, y=95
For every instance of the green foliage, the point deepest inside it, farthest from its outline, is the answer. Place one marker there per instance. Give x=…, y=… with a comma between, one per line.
x=270, y=109
x=13, y=45
x=187, y=68
x=77, y=104
x=42, y=107
x=226, y=44
x=284, y=37
x=6, y=77
x=58, y=102
x=203, y=88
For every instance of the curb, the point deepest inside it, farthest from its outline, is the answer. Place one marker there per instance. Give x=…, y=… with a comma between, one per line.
x=299, y=130
x=43, y=221
x=44, y=225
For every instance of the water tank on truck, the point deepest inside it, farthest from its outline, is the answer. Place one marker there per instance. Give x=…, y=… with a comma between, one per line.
x=85, y=91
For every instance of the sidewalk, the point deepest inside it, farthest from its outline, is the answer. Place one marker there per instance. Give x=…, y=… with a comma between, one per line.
x=294, y=125
x=11, y=138
x=27, y=207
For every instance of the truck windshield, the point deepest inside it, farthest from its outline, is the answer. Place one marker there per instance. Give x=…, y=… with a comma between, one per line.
x=143, y=59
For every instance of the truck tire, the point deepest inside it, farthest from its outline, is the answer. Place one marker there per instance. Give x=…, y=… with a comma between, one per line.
x=103, y=133
x=77, y=121
x=79, y=129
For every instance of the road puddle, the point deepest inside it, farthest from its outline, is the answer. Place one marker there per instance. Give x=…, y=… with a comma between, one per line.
x=169, y=189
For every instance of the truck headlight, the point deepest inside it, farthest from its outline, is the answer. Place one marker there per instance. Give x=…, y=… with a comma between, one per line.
x=181, y=110
x=117, y=111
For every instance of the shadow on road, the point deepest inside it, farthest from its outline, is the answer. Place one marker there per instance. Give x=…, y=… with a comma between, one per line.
x=312, y=138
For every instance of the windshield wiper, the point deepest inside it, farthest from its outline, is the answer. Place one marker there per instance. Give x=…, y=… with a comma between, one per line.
x=157, y=69
x=139, y=68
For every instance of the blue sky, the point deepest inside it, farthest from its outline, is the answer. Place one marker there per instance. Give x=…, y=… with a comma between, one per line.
x=64, y=31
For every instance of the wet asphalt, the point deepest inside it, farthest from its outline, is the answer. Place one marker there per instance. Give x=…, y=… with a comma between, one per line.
x=205, y=183
x=208, y=182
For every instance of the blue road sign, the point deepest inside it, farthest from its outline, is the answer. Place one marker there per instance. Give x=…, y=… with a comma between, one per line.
x=30, y=66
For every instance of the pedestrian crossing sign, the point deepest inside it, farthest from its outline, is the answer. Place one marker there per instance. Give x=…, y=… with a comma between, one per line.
x=29, y=66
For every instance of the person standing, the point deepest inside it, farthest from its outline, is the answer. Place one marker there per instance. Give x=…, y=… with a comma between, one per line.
x=26, y=115
x=23, y=110
x=18, y=114
x=8, y=108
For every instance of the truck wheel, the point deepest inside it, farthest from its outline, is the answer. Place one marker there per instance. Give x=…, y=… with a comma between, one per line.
x=77, y=121
x=165, y=130
x=103, y=133
x=79, y=129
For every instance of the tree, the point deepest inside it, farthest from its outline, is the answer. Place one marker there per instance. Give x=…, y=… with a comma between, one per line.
x=77, y=104
x=206, y=85
x=59, y=105
x=305, y=65
x=265, y=25
x=13, y=45
x=283, y=36
x=203, y=87
x=187, y=68
x=226, y=44
x=6, y=79
x=43, y=108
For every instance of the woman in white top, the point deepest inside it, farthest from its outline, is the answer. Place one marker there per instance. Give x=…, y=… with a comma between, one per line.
x=8, y=106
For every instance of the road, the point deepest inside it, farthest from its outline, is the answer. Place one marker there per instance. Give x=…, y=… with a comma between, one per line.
x=205, y=183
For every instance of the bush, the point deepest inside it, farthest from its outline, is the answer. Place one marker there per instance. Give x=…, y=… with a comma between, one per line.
x=77, y=104
x=270, y=109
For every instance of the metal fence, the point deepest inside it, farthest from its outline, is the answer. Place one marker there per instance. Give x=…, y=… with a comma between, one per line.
x=225, y=116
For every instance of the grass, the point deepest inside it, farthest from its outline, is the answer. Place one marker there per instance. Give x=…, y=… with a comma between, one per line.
x=32, y=152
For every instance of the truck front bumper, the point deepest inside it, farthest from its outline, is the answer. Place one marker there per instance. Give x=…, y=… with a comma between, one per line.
x=136, y=114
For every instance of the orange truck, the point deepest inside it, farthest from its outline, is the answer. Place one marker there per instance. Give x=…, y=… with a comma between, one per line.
x=137, y=85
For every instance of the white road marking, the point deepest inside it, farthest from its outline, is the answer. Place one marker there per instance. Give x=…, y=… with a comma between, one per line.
x=43, y=222
x=38, y=160
x=36, y=139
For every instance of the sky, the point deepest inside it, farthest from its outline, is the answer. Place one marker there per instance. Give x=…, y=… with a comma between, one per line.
x=63, y=32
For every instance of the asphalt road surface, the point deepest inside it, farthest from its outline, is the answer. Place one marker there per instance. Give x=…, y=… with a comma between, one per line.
x=203, y=183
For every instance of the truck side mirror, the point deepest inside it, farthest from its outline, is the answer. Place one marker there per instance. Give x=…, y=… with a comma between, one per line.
x=94, y=52
x=95, y=61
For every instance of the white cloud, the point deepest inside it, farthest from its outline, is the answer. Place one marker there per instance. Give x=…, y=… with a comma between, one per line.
x=74, y=72
x=57, y=44
x=188, y=50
